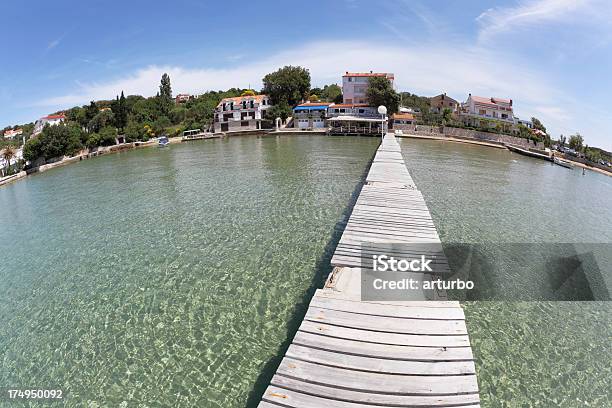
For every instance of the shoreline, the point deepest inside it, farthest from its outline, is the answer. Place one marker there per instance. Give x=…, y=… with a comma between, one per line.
x=499, y=146
x=452, y=139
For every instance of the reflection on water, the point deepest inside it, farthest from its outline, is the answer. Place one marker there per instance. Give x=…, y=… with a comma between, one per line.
x=167, y=277
x=548, y=354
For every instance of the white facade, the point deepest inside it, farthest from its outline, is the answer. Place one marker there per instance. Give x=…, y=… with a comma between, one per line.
x=489, y=108
x=51, y=120
x=240, y=113
x=9, y=134
x=355, y=85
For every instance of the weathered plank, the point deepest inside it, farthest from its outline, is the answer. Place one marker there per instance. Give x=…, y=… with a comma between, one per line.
x=348, y=353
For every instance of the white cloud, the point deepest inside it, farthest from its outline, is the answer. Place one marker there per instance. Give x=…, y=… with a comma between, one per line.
x=531, y=13
x=425, y=69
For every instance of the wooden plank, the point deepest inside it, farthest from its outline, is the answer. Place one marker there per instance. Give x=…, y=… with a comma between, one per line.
x=388, y=310
x=385, y=338
x=386, y=324
x=382, y=351
x=378, y=382
x=281, y=384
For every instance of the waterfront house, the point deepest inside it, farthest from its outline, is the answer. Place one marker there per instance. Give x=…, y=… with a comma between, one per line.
x=181, y=98
x=440, y=102
x=241, y=113
x=481, y=111
x=50, y=120
x=311, y=115
x=527, y=123
x=403, y=121
x=355, y=85
x=11, y=133
x=359, y=110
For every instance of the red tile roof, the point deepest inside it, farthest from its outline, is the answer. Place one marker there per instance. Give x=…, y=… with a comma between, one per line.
x=368, y=74
x=403, y=116
x=59, y=116
x=238, y=99
x=491, y=101
x=350, y=105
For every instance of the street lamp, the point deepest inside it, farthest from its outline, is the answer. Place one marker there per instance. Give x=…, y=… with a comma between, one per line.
x=383, y=111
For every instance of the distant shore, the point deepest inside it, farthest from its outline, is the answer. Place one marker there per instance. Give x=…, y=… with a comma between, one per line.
x=500, y=146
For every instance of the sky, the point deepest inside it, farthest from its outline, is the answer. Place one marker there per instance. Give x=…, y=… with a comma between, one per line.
x=553, y=58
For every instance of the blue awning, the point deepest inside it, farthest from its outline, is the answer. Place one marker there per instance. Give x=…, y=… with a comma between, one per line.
x=311, y=107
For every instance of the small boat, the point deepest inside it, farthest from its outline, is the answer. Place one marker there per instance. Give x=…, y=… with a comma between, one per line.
x=163, y=141
x=563, y=163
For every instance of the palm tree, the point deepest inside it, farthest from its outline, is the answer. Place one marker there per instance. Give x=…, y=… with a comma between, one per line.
x=8, y=155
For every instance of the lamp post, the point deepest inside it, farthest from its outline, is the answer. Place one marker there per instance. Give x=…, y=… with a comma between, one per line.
x=383, y=111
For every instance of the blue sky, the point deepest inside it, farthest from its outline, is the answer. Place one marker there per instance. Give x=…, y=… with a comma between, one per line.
x=552, y=57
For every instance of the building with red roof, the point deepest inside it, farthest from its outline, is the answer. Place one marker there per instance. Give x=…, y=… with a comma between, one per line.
x=241, y=113
x=355, y=84
x=50, y=120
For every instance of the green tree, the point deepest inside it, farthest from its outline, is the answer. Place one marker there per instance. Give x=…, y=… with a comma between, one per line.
x=165, y=94
x=120, y=111
x=331, y=93
x=289, y=85
x=54, y=141
x=32, y=149
x=575, y=142
x=380, y=92
x=8, y=154
x=90, y=111
x=102, y=119
x=135, y=131
x=538, y=125
x=280, y=110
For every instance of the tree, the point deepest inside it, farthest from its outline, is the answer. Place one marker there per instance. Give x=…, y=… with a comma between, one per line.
x=102, y=119
x=120, y=111
x=8, y=155
x=575, y=142
x=446, y=116
x=248, y=92
x=165, y=94
x=289, y=85
x=90, y=111
x=54, y=141
x=280, y=110
x=313, y=98
x=538, y=125
x=380, y=92
x=135, y=131
x=331, y=93
x=562, y=140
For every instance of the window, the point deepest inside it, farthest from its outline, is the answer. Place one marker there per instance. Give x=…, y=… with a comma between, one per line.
x=244, y=123
x=482, y=112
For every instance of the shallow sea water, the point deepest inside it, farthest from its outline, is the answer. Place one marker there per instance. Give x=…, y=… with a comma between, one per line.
x=168, y=277
x=528, y=354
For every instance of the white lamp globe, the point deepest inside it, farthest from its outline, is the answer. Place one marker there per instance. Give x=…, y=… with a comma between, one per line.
x=382, y=110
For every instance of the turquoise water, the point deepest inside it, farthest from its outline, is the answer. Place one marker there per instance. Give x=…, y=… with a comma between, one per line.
x=168, y=277
x=528, y=354
x=174, y=277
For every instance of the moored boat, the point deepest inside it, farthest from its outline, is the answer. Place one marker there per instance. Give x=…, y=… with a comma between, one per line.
x=563, y=163
x=163, y=141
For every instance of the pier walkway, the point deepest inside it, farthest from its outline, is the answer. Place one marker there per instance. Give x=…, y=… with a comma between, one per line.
x=349, y=353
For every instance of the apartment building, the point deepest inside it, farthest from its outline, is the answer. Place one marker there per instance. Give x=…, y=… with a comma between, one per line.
x=355, y=85
x=50, y=120
x=241, y=113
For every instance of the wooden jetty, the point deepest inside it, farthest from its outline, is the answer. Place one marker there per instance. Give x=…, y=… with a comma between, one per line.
x=349, y=353
x=200, y=136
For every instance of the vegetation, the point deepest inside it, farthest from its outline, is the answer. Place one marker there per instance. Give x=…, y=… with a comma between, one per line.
x=575, y=142
x=290, y=85
x=381, y=92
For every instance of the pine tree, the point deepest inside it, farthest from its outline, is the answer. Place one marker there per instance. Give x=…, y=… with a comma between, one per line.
x=165, y=94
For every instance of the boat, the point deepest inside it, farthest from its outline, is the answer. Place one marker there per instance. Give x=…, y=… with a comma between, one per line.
x=527, y=152
x=163, y=141
x=563, y=163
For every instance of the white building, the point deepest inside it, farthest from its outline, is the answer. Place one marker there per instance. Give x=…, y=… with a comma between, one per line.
x=498, y=109
x=51, y=120
x=241, y=113
x=11, y=133
x=355, y=84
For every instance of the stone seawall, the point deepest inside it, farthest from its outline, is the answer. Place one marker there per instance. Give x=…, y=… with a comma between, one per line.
x=458, y=133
